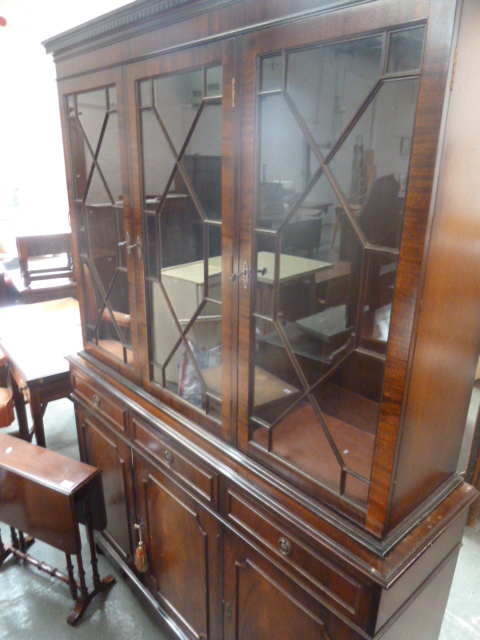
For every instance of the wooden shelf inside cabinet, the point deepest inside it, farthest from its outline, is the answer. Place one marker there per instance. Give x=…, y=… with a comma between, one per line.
x=299, y=440
x=269, y=389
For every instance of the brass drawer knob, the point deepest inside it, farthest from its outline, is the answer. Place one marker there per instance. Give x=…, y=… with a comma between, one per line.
x=285, y=546
x=168, y=456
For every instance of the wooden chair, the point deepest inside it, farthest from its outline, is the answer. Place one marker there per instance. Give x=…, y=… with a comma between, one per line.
x=46, y=267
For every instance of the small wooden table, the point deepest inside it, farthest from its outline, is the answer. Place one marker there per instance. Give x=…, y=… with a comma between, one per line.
x=292, y=269
x=47, y=495
x=36, y=338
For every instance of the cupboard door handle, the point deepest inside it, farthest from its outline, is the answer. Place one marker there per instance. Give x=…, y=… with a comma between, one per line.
x=125, y=242
x=168, y=456
x=96, y=400
x=285, y=546
x=137, y=244
x=245, y=274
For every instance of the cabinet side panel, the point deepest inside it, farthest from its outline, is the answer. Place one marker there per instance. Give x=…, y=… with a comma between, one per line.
x=425, y=613
x=430, y=113
x=448, y=330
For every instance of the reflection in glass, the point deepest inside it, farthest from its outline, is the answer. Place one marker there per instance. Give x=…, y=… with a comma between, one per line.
x=91, y=112
x=406, y=50
x=329, y=84
x=380, y=286
x=202, y=160
x=214, y=82
x=271, y=73
x=145, y=93
x=333, y=162
x=380, y=141
x=182, y=146
x=94, y=135
x=159, y=159
x=151, y=245
x=283, y=161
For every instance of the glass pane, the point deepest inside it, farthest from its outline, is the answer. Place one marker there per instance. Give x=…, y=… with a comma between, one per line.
x=95, y=146
x=164, y=334
x=373, y=161
x=176, y=100
x=92, y=112
x=300, y=440
x=406, y=50
x=271, y=73
x=203, y=160
x=182, y=173
x=185, y=286
x=276, y=386
x=97, y=191
x=381, y=277
x=158, y=159
x=214, y=82
x=181, y=231
x=102, y=239
x=112, y=97
x=333, y=163
x=109, y=328
x=145, y=93
x=329, y=84
x=286, y=162
x=151, y=244
x=109, y=158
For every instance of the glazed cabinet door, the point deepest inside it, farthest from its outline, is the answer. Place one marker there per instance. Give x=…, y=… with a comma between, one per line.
x=329, y=120
x=181, y=139
x=101, y=446
x=93, y=121
x=286, y=610
x=182, y=543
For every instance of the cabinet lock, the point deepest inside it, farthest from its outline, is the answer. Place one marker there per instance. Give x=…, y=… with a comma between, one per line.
x=245, y=274
x=127, y=243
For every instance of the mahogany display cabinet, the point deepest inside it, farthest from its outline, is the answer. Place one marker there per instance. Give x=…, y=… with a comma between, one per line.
x=275, y=219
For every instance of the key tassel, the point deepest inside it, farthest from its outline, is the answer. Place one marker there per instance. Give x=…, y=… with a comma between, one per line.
x=141, y=560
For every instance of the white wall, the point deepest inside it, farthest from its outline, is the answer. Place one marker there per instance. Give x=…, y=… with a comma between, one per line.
x=33, y=194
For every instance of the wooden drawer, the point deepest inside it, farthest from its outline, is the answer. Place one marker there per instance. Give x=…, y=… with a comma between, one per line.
x=182, y=466
x=100, y=402
x=332, y=584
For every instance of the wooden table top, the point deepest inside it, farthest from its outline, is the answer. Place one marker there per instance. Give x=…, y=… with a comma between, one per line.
x=43, y=466
x=291, y=267
x=37, y=337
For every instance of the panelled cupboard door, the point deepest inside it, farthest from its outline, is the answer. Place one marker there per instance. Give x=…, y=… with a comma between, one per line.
x=182, y=541
x=101, y=447
x=260, y=601
x=329, y=113
x=181, y=139
x=93, y=120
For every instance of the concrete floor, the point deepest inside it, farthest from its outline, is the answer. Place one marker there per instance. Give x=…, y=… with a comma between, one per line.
x=34, y=606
